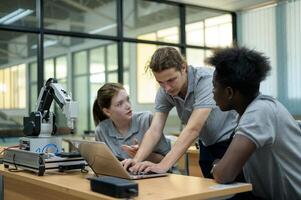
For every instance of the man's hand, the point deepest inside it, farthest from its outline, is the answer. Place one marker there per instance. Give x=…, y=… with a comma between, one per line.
x=147, y=166
x=128, y=163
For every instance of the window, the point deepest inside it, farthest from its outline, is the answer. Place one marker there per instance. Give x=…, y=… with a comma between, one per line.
x=33, y=86
x=218, y=31
x=195, y=33
x=14, y=55
x=92, y=68
x=196, y=57
x=209, y=32
x=140, y=18
x=146, y=83
x=12, y=87
x=18, y=13
x=81, y=48
x=93, y=17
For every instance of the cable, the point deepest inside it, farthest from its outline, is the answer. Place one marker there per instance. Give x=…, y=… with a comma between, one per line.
x=14, y=162
x=84, y=170
x=5, y=148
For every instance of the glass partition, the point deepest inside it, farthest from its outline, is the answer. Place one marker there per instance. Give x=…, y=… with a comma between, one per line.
x=91, y=68
x=18, y=13
x=93, y=17
x=81, y=50
x=151, y=21
x=14, y=86
x=208, y=28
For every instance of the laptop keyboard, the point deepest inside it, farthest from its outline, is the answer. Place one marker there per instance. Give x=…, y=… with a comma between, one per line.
x=142, y=173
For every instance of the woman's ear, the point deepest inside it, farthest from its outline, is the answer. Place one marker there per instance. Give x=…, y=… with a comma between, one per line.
x=106, y=112
x=184, y=67
x=230, y=92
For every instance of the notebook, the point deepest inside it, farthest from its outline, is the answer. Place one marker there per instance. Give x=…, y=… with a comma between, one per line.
x=103, y=162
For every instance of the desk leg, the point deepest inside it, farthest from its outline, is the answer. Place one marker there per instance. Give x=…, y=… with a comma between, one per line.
x=194, y=167
x=187, y=163
x=1, y=188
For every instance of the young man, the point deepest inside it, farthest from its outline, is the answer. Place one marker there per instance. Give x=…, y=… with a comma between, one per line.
x=188, y=89
x=267, y=139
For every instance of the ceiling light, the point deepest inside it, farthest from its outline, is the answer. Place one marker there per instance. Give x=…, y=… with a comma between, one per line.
x=15, y=16
x=103, y=28
x=47, y=43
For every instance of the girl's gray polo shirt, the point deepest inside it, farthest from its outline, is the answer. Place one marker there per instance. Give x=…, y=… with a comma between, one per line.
x=105, y=131
x=219, y=125
x=274, y=168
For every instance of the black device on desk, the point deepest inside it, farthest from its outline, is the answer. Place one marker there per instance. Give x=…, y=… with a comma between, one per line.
x=113, y=186
x=73, y=154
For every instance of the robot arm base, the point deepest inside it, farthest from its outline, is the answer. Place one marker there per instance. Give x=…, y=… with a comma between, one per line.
x=33, y=125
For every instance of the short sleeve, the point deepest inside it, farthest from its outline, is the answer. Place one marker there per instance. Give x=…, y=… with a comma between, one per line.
x=258, y=124
x=203, y=93
x=163, y=103
x=98, y=134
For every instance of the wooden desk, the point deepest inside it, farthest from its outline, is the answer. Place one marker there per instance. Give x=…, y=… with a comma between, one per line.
x=72, y=185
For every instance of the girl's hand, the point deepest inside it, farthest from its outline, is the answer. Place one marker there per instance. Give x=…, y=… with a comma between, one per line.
x=131, y=150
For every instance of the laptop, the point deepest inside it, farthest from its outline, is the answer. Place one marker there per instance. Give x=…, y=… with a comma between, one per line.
x=103, y=162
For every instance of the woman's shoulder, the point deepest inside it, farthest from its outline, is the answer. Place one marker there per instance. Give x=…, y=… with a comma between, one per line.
x=264, y=103
x=264, y=107
x=107, y=123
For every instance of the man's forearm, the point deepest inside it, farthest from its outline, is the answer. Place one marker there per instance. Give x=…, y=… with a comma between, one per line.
x=186, y=138
x=146, y=148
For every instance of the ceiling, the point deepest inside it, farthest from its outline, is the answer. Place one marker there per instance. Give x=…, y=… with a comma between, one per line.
x=230, y=5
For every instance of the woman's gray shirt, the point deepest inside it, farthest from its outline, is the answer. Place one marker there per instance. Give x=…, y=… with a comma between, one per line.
x=274, y=169
x=105, y=131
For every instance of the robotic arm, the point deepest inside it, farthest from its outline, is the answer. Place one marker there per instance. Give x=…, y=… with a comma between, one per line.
x=42, y=121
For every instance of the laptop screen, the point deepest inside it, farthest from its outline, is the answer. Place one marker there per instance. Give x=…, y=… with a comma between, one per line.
x=101, y=159
x=103, y=162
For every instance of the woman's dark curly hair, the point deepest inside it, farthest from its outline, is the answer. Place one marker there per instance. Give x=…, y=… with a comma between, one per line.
x=240, y=68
